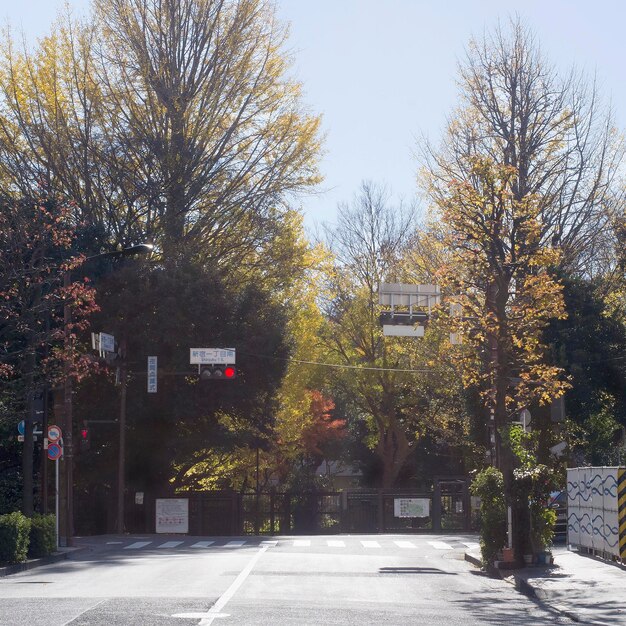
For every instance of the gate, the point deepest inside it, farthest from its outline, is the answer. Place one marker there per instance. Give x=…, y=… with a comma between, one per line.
x=445, y=505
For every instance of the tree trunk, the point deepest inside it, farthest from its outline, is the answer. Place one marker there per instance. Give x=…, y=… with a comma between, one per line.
x=393, y=450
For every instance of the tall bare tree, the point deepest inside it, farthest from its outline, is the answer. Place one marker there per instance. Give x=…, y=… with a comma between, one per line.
x=367, y=241
x=555, y=133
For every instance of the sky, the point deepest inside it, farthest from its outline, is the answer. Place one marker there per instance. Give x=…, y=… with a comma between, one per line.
x=382, y=73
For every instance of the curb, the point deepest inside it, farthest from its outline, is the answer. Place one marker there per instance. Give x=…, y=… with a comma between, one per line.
x=474, y=559
x=523, y=586
x=16, y=568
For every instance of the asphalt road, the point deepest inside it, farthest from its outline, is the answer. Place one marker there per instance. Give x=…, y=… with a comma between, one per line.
x=342, y=579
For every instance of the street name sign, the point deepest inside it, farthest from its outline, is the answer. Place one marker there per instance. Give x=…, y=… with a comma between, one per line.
x=212, y=356
x=152, y=374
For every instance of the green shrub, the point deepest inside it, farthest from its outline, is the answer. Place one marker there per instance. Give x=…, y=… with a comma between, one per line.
x=42, y=536
x=488, y=485
x=14, y=538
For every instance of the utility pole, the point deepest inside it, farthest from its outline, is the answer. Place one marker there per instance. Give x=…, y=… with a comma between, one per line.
x=68, y=419
x=121, y=460
x=68, y=415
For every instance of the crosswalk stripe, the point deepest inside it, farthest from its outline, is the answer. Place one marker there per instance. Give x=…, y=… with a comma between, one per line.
x=336, y=543
x=440, y=545
x=234, y=544
x=137, y=545
x=471, y=546
x=203, y=544
x=269, y=543
x=301, y=543
x=405, y=544
x=370, y=544
x=169, y=544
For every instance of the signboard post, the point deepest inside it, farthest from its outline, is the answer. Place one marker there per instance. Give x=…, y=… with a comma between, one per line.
x=55, y=452
x=172, y=515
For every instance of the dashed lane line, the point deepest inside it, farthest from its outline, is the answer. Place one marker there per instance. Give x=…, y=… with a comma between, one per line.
x=202, y=544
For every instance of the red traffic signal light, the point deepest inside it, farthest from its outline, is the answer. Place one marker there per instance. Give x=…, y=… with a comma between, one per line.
x=84, y=439
x=218, y=372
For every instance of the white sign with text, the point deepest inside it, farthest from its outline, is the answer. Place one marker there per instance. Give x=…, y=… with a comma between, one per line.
x=172, y=515
x=212, y=356
x=411, y=507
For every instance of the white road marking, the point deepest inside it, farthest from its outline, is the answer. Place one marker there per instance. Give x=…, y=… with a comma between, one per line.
x=269, y=543
x=301, y=543
x=370, y=544
x=113, y=543
x=137, y=545
x=206, y=619
x=234, y=544
x=202, y=544
x=471, y=546
x=440, y=545
x=405, y=544
x=198, y=615
x=170, y=544
x=336, y=543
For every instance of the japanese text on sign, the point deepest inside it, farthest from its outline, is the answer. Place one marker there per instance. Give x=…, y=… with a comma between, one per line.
x=411, y=507
x=212, y=356
x=172, y=515
x=152, y=374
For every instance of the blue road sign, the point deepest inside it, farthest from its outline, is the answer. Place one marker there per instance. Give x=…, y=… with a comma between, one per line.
x=55, y=451
x=21, y=428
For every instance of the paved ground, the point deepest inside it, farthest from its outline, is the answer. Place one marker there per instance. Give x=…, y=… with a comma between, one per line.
x=582, y=586
x=344, y=579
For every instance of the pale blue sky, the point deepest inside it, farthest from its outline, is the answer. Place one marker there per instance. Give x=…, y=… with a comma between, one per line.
x=382, y=72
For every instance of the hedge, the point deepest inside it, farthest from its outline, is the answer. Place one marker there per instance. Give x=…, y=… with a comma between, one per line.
x=42, y=536
x=14, y=538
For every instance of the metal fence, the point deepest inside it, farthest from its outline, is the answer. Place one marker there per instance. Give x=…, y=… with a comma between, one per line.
x=445, y=507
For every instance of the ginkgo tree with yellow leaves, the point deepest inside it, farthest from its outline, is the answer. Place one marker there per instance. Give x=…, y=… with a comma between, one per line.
x=502, y=291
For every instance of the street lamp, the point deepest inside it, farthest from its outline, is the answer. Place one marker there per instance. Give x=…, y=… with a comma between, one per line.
x=68, y=451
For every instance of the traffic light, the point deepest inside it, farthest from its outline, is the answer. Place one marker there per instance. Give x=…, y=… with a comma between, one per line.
x=84, y=438
x=218, y=372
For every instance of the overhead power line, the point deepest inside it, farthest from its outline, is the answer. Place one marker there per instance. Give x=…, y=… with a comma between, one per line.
x=338, y=365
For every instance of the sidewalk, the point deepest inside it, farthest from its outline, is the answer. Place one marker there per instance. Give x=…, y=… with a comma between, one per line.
x=584, y=588
x=55, y=557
